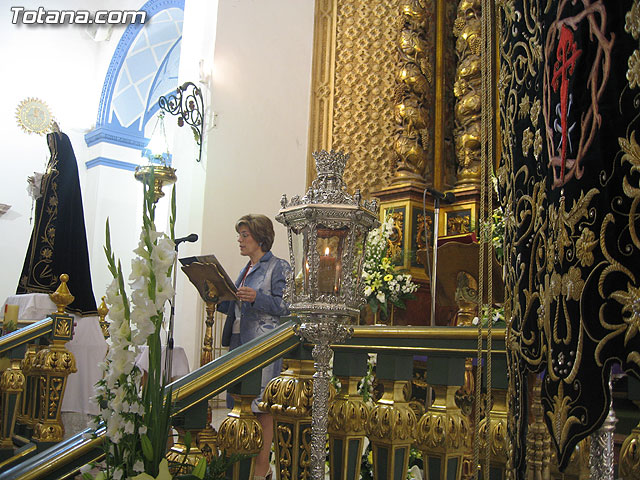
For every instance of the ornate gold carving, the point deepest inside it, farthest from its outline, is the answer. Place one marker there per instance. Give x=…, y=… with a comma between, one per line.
x=630, y=455
x=241, y=431
x=458, y=223
x=181, y=461
x=348, y=413
x=347, y=422
x=396, y=239
x=391, y=420
x=28, y=399
x=12, y=384
x=497, y=434
x=62, y=296
x=12, y=379
x=354, y=67
x=207, y=343
x=391, y=427
x=467, y=89
x=413, y=144
x=63, y=328
x=52, y=365
x=421, y=243
x=538, y=440
x=48, y=432
x=290, y=394
x=464, y=395
x=466, y=298
x=288, y=398
x=103, y=310
x=443, y=430
x=285, y=447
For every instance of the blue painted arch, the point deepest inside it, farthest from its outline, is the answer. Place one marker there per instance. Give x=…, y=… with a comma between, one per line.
x=144, y=65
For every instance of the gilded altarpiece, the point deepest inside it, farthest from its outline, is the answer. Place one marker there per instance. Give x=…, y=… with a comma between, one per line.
x=363, y=52
x=383, y=90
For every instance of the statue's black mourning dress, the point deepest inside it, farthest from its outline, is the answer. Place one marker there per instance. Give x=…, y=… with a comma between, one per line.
x=59, y=242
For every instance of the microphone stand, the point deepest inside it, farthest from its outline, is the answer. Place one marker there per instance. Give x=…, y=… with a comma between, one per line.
x=447, y=198
x=168, y=359
x=436, y=215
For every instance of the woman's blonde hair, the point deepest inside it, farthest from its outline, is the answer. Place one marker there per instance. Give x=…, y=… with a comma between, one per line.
x=261, y=229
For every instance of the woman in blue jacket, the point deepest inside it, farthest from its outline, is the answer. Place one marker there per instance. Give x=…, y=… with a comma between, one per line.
x=261, y=285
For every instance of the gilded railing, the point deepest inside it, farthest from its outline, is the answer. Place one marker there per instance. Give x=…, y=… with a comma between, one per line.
x=32, y=386
x=441, y=430
x=190, y=394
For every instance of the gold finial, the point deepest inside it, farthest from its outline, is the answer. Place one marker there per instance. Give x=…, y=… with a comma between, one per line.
x=62, y=296
x=103, y=310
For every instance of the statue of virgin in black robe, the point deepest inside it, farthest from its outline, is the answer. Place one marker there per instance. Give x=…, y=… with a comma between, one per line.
x=59, y=242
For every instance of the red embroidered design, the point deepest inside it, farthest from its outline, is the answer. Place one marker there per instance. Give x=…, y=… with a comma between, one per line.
x=576, y=132
x=567, y=54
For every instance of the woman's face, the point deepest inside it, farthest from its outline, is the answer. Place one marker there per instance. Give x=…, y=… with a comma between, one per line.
x=248, y=245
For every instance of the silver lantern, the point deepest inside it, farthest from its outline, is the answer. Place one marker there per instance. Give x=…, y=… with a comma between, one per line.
x=327, y=230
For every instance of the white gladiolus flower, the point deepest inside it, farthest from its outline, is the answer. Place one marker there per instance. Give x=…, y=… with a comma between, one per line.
x=162, y=256
x=381, y=297
x=113, y=293
x=117, y=474
x=129, y=427
x=138, y=467
x=139, y=268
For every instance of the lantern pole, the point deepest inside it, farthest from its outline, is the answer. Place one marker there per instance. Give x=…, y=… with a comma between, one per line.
x=324, y=288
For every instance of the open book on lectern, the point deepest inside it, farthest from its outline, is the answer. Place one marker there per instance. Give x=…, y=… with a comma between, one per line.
x=208, y=276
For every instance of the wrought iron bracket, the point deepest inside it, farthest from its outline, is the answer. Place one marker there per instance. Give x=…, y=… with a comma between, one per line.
x=187, y=104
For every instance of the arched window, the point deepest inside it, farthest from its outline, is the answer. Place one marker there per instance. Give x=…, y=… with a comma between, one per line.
x=144, y=67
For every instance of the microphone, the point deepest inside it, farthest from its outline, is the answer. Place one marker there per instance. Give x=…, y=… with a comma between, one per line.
x=189, y=238
x=445, y=197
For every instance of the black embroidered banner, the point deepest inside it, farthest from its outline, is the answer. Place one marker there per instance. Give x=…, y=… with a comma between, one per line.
x=570, y=183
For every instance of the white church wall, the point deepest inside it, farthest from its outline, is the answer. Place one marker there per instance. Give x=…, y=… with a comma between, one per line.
x=261, y=87
x=198, y=40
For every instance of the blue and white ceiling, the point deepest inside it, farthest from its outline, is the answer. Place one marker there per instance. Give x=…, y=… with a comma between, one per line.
x=144, y=67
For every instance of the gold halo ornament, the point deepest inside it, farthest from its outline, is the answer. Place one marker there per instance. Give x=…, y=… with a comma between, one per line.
x=34, y=116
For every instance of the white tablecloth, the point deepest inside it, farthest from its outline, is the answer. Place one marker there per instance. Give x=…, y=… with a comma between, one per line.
x=88, y=347
x=179, y=363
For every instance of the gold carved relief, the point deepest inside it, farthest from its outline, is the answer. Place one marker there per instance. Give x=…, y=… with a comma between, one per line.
x=391, y=420
x=467, y=89
x=241, y=432
x=396, y=239
x=354, y=69
x=288, y=398
x=413, y=143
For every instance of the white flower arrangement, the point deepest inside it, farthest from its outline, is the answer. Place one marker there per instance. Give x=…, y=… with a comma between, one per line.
x=496, y=314
x=135, y=416
x=365, y=386
x=383, y=284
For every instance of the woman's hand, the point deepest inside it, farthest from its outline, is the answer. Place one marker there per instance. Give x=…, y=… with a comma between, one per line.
x=246, y=294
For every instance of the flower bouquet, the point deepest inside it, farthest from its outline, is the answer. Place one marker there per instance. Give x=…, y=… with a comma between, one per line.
x=384, y=284
x=135, y=414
